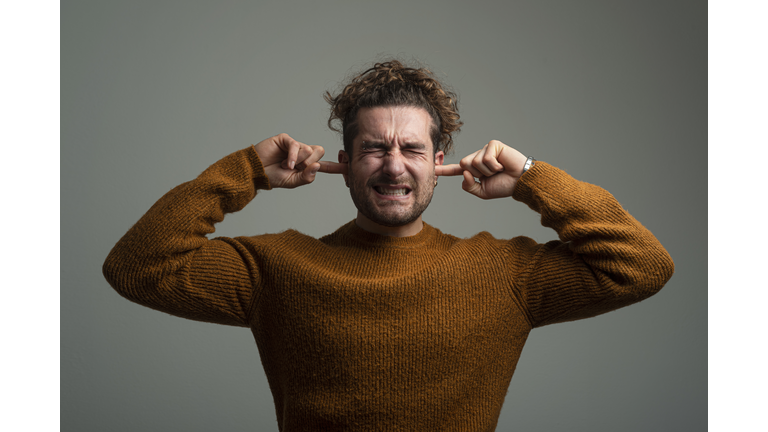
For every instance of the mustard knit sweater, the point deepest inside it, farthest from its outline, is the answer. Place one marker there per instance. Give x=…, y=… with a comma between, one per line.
x=358, y=331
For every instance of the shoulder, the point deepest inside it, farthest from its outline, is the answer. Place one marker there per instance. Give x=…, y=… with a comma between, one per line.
x=286, y=239
x=485, y=241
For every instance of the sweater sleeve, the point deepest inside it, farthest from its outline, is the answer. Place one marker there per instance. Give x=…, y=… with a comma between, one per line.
x=605, y=259
x=165, y=261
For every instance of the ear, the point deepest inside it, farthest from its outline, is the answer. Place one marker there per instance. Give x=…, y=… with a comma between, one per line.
x=439, y=158
x=344, y=159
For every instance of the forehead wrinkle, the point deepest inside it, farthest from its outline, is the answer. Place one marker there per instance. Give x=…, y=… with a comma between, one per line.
x=394, y=127
x=402, y=140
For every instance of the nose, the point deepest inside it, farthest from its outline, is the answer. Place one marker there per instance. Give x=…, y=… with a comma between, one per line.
x=394, y=165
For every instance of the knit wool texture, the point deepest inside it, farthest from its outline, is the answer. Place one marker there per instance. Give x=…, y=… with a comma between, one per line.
x=358, y=331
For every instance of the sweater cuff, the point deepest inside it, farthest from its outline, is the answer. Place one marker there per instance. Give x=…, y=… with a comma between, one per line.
x=260, y=179
x=528, y=182
x=546, y=182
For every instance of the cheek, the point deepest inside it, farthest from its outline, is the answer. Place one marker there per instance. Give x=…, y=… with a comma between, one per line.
x=367, y=166
x=360, y=171
x=421, y=170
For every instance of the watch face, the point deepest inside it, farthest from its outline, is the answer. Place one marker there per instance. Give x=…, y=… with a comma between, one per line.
x=528, y=164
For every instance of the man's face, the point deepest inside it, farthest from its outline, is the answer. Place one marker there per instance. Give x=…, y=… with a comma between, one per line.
x=391, y=173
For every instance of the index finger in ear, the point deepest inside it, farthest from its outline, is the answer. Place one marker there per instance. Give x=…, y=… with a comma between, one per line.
x=332, y=167
x=448, y=170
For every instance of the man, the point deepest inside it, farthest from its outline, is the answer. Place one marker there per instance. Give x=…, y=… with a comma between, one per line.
x=388, y=323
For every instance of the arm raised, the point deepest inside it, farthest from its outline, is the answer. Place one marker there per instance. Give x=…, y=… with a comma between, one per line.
x=604, y=260
x=165, y=261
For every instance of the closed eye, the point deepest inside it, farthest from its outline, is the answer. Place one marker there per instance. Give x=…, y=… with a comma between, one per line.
x=381, y=149
x=414, y=151
x=374, y=152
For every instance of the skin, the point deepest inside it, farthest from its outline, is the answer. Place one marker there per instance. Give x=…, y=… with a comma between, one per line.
x=393, y=150
x=391, y=171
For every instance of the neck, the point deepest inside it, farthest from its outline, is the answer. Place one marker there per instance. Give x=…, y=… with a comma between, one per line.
x=407, y=230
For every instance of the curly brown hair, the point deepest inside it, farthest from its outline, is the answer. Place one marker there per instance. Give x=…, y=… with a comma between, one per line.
x=391, y=83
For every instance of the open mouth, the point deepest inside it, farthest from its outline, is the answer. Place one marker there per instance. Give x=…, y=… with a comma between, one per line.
x=393, y=191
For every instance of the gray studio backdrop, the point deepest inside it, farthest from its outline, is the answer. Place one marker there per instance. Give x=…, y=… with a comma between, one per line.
x=152, y=92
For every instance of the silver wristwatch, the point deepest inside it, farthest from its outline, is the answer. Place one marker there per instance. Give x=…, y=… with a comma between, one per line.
x=528, y=164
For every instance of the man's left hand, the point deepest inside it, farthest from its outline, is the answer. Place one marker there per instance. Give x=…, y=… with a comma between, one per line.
x=496, y=166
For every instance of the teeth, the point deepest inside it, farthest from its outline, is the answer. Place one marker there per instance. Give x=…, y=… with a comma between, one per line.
x=392, y=191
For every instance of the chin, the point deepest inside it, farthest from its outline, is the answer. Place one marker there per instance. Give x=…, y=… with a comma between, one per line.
x=389, y=213
x=389, y=218
x=393, y=222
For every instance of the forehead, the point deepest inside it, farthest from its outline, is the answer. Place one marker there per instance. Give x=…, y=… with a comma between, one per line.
x=395, y=125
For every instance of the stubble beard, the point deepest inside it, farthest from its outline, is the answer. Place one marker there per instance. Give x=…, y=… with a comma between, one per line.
x=393, y=213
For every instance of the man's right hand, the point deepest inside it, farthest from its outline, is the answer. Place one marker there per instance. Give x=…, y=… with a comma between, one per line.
x=289, y=163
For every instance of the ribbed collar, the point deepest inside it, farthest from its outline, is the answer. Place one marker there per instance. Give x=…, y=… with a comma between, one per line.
x=353, y=233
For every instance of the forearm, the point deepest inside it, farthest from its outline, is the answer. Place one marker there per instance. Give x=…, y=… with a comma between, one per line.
x=605, y=258
x=165, y=260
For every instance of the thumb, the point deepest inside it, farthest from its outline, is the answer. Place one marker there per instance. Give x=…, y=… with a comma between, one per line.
x=470, y=185
x=309, y=173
